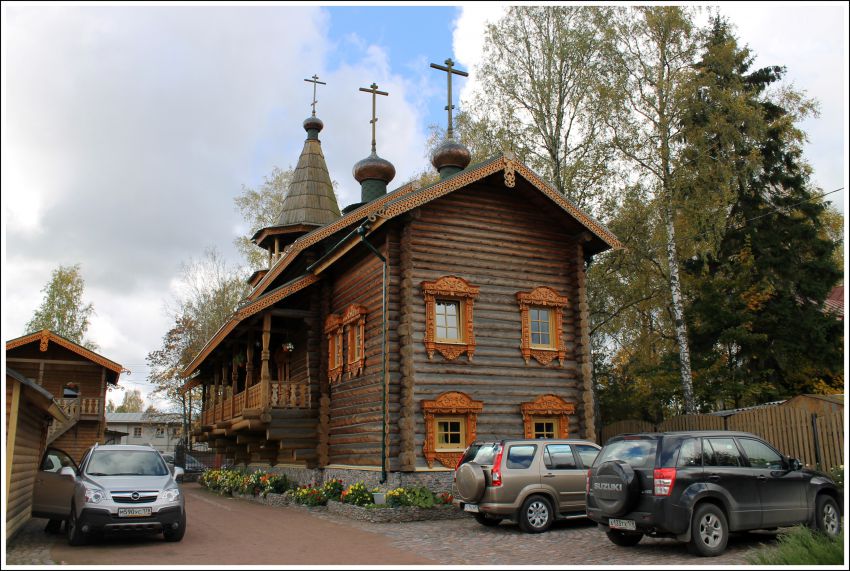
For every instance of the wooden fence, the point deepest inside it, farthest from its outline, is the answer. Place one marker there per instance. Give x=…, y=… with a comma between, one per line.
x=816, y=440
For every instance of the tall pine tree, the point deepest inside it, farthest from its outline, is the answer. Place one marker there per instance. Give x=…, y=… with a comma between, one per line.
x=756, y=316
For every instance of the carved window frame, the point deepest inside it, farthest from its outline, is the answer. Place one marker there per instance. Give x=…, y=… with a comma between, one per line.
x=449, y=404
x=353, y=322
x=450, y=288
x=543, y=298
x=333, y=330
x=544, y=407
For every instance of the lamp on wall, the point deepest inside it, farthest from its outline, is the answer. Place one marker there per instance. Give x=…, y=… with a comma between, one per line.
x=288, y=347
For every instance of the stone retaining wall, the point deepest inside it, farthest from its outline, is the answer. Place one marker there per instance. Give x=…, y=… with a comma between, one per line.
x=394, y=515
x=374, y=515
x=438, y=481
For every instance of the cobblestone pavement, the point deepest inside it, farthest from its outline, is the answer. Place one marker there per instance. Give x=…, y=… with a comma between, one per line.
x=567, y=543
x=465, y=542
x=31, y=545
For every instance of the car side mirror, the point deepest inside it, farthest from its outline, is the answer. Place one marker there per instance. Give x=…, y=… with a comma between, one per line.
x=794, y=464
x=68, y=472
x=178, y=473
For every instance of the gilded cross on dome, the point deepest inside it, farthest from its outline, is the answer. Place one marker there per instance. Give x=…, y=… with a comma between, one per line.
x=449, y=69
x=373, y=89
x=315, y=81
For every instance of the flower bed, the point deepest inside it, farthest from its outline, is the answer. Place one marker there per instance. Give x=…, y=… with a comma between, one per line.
x=355, y=501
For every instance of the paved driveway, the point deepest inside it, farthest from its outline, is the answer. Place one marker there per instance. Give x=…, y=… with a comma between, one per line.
x=228, y=531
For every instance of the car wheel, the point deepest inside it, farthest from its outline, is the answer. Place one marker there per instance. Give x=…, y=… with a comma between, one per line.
x=827, y=516
x=709, y=531
x=624, y=539
x=172, y=534
x=536, y=514
x=72, y=528
x=487, y=521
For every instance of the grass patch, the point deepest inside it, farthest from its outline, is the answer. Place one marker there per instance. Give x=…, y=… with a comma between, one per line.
x=800, y=546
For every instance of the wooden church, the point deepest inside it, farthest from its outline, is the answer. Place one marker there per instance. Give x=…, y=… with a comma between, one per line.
x=385, y=338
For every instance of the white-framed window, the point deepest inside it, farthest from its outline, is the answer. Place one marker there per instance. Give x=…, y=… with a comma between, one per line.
x=137, y=432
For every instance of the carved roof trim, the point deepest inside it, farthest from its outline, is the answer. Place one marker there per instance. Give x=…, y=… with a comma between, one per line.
x=45, y=336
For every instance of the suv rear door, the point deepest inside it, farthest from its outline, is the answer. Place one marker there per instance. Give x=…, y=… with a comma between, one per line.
x=561, y=472
x=725, y=467
x=519, y=470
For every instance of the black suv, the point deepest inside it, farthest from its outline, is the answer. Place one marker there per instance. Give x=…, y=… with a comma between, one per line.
x=699, y=486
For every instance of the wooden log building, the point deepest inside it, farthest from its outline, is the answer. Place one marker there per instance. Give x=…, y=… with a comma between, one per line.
x=77, y=377
x=30, y=412
x=385, y=338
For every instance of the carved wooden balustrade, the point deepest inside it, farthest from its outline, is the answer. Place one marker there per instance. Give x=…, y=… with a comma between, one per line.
x=238, y=403
x=291, y=394
x=208, y=416
x=91, y=407
x=254, y=398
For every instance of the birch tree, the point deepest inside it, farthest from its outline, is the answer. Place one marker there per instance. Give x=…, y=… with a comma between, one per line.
x=62, y=309
x=653, y=56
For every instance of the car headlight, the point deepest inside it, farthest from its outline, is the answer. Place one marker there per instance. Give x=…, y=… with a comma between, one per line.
x=171, y=495
x=94, y=495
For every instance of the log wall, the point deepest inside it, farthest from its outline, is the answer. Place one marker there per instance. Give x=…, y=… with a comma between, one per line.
x=29, y=446
x=498, y=240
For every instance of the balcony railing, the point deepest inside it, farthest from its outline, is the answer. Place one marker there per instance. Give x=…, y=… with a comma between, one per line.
x=287, y=395
x=79, y=407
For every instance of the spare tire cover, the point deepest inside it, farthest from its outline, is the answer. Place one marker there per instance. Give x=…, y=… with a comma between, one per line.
x=470, y=482
x=615, y=487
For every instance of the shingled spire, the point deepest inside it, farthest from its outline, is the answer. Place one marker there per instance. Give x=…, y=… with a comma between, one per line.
x=310, y=201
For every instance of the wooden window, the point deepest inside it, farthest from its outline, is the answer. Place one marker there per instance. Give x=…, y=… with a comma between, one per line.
x=541, y=312
x=450, y=433
x=546, y=417
x=450, y=423
x=354, y=322
x=333, y=330
x=544, y=427
x=137, y=432
x=160, y=432
x=448, y=317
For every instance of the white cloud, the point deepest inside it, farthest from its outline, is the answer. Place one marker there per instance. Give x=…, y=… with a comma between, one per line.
x=468, y=40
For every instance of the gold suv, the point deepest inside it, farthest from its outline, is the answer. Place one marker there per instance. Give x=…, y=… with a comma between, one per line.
x=532, y=482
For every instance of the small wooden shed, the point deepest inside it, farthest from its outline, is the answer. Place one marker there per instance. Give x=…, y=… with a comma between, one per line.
x=30, y=409
x=821, y=405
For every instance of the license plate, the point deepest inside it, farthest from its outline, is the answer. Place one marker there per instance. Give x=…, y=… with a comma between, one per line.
x=470, y=508
x=134, y=512
x=622, y=524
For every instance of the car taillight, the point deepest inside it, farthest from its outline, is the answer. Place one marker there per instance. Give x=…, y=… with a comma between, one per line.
x=496, y=472
x=664, y=480
x=587, y=484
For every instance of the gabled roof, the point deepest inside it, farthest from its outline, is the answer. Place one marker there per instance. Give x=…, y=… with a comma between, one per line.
x=143, y=418
x=45, y=337
x=391, y=205
x=409, y=196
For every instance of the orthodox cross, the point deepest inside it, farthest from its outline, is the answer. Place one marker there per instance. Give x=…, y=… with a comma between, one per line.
x=449, y=71
x=314, y=81
x=374, y=91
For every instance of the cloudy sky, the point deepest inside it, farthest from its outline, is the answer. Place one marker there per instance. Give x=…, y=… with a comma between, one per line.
x=129, y=129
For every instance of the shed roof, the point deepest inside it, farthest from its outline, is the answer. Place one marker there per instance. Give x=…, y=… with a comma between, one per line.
x=45, y=337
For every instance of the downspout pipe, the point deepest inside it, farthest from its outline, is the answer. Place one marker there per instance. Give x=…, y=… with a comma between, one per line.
x=361, y=231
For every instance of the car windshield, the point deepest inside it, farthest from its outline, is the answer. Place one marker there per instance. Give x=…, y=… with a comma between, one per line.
x=126, y=463
x=638, y=453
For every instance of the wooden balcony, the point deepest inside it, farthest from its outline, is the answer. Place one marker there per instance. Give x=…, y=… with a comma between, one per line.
x=288, y=395
x=82, y=408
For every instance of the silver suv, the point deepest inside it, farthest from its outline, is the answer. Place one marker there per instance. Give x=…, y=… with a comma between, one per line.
x=124, y=488
x=532, y=482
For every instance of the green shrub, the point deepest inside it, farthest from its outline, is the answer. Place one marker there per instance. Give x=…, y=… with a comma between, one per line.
x=357, y=494
x=801, y=546
x=420, y=497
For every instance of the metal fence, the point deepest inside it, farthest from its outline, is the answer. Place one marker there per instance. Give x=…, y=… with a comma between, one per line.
x=816, y=440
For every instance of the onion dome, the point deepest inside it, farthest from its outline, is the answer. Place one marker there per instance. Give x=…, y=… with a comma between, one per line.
x=313, y=124
x=450, y=157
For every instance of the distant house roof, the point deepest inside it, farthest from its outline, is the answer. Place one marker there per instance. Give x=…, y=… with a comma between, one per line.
x=731, y=411
x=143, y=418
x=834, y=302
